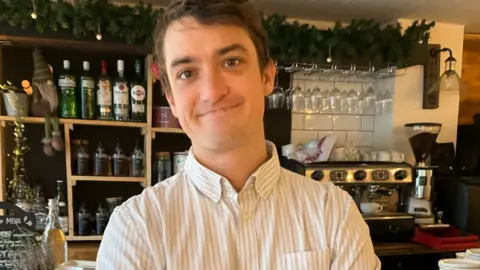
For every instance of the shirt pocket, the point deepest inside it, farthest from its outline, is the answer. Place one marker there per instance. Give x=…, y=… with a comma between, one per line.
x=310, y=260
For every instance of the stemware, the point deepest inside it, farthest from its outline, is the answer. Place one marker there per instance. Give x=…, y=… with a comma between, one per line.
x=335, y=100
x=277, y=97
x=298, y=99
x=369, y=101
x=353, y=102
x=308, y=102
x=315, y=99
x=325, y=101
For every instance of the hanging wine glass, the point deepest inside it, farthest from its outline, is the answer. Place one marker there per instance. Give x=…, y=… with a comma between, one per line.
x=298, y=100
x=277, y=97
x=288, y=94
x=315, y=99
x=335, y=100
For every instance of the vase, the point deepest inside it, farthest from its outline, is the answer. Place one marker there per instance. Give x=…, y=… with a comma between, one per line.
x=16, y=104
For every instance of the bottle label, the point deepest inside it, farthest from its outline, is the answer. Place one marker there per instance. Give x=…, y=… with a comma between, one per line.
x=104, y=93
x=88, y=103
x=40, y=220
x=137, y=167
x=61, y=204
x=63, y=223
x=88, y=83
x=138, y=93
x=119, y=166
x=120, y=94
x=66, y=81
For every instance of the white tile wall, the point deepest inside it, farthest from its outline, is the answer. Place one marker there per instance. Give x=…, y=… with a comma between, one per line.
x=360, y=138
x=367, y=122
x=318, y=122
x=297, y=121
x=347, y=122
x=303, y=136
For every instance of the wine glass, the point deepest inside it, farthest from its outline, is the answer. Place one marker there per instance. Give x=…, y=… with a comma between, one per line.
x=315, y=99
x=352, y=101
x=298, y=99
x=335, y=100
x=277, y=97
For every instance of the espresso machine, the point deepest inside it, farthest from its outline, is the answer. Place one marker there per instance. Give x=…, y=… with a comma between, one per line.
x=421, y=137
x=378, y=183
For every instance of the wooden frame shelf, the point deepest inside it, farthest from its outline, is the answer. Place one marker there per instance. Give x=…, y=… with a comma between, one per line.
x=75, y=178
x=41, y=120
x=85, y=238
x=167, y=130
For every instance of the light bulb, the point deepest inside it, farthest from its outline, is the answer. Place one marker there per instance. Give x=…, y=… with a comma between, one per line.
x=99, y=36
x=329, y=59
x=34, y=15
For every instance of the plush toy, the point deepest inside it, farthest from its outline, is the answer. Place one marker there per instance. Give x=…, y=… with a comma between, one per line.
x=45, y=103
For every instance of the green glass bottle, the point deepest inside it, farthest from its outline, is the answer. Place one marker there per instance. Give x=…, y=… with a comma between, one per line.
x=68, y=98
x=87, y=93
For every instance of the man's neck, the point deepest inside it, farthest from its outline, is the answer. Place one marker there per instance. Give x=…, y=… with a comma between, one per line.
x=237, y=164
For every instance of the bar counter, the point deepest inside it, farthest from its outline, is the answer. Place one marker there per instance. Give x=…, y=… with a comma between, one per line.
x=88, y=250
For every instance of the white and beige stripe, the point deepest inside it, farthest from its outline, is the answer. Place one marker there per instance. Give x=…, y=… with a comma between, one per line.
x=196, y=220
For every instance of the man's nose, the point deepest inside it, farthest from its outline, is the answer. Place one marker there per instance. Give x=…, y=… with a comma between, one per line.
x=213, y=86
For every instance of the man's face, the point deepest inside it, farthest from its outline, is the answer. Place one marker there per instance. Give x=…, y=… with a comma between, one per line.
x=217, y=88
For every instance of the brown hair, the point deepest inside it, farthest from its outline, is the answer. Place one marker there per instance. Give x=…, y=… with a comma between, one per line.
x=210, y=12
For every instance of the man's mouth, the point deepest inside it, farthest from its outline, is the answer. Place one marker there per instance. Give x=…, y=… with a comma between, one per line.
x=220, y=110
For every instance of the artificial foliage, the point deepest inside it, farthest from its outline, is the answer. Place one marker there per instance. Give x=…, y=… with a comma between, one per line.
x=289, y=41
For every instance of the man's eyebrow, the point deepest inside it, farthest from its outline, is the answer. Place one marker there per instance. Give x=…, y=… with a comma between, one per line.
x=233, y=47
x=180, y=61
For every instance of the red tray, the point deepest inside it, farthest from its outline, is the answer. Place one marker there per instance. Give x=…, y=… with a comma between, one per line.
x=449, y=238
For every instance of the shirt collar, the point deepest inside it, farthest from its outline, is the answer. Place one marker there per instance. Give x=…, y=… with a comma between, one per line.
x=210, y=183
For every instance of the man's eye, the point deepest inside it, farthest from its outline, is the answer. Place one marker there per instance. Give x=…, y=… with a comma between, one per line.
x=231, y=62
x=184, y=75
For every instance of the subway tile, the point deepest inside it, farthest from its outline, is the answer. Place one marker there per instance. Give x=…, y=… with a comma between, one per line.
x=360, y=138
x=297, y=121
x=341, y=136
x=367, y=123
x=303, y=136
x=318, y=122
x=347, y=122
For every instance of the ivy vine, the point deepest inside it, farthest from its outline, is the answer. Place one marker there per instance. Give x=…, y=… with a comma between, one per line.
x=289, y=41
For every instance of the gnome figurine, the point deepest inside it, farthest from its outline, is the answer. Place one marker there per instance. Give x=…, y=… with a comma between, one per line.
x=45, y=103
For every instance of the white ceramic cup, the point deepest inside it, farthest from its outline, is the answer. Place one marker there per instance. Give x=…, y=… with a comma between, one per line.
x=364, y=156
x=383, y=156
x=397, y=156
x=370, y=207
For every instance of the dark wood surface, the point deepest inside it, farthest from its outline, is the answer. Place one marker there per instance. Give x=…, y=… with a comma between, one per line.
x=88, y=250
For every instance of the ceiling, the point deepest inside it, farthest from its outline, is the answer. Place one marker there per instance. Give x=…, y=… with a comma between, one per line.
x=465, y=12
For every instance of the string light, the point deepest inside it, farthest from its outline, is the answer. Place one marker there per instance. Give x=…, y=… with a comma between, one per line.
x=34, y=12
x=99, y=34
x=329, y=59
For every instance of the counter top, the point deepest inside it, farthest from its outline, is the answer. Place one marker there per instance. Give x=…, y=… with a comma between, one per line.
x=88, y=250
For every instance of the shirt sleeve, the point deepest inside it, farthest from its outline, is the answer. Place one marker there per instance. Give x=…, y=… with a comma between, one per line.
x=351, y=243
x=124, y=245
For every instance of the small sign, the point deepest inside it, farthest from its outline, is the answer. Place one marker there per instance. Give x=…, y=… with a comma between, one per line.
x=17, y=235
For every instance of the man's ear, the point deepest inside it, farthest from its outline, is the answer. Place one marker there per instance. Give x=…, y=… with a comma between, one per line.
x=171, y=101
x=269, y=73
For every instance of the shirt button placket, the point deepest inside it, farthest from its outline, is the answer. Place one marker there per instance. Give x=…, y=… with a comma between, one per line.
x=247, y=231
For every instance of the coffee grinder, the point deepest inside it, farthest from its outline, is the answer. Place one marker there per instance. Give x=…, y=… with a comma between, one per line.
x=421, y=137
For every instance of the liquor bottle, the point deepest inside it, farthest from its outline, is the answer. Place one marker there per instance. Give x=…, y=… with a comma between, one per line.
x=84, y=219
x=53, y=237
x=101, y=161
x=40, y=210
x=87, y=93
x=62, y=207
x=121, y=95
x=119, y=161
x=138, y=95
x=68, y=95
x=137, y=161
x=104, y=95
x=101, y=218
x=83, y=159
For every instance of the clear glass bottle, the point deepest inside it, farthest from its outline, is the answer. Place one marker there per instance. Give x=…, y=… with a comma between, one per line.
x=84, y=218
x=119, y=161
x=101, y=161
x=62, y=207
x=39, y=209
x=104, y=95
x=121, y=95
x=83, y=159
x=101, y=218
x=138, y=159
x=164, y=166
x=53, y=237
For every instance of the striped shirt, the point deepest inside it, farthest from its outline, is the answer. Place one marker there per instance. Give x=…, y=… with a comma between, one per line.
x=279, y=220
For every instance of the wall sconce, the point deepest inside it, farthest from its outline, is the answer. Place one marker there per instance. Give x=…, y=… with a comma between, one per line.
x=448, y=81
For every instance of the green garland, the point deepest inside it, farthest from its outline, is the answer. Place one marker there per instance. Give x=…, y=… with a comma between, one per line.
x=289, y=41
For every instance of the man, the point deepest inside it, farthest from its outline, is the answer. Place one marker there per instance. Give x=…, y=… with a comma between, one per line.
x=233, y=206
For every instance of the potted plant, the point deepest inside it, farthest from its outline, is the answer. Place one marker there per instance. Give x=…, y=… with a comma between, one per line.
x=15, y=99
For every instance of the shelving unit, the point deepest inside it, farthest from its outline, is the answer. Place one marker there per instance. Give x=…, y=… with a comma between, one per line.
x=145, y=129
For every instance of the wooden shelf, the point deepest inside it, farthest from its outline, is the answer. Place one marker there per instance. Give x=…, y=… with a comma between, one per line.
x=167, y=130
x=127, y=179
x=40, y=120
x=94, y=45
x=85, y=238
